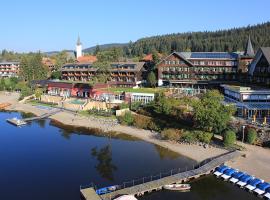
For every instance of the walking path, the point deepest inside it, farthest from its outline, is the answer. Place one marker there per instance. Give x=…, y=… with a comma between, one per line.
x=158, y=184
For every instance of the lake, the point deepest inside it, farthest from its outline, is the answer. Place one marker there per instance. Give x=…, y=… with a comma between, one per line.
x=41, y=161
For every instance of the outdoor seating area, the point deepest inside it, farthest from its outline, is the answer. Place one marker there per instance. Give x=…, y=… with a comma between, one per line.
x=248, y=182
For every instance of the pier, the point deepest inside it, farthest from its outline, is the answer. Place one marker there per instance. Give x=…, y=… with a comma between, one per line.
x=21, y=122
x=155, y=184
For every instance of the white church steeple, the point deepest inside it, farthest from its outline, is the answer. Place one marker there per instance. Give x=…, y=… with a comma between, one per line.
x=78, y=48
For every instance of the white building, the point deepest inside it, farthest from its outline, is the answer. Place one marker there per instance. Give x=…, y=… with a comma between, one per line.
x=144, y=98
x=250, y=103
x=9, y=69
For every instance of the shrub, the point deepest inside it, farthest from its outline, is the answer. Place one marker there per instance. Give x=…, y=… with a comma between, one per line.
x=152, y=125
x=189, y=137
x=251, y=136
x=123, y=106
x=126, y=119
x=204, y=137
x=170, y=134
x=136, y=105
x=229, y=138
x=141, y=121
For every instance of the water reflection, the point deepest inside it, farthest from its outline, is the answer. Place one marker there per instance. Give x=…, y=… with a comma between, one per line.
x=66, y=133
x=165, y=153
x=105, y=167
x=41, y=123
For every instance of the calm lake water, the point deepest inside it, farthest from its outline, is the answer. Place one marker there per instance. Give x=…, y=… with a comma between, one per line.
x=43, y=162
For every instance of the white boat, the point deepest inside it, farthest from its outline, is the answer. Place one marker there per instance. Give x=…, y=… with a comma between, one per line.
x=225, y=176
x=267, y=195
x=177, y=187
x=250, y=187
x=234, y=180
x=258, y=191
x=241, y=184
x=126, y=197
x=217, y=173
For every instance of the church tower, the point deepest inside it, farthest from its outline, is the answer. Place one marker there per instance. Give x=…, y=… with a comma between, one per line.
x=249, y=49
x=78, y=48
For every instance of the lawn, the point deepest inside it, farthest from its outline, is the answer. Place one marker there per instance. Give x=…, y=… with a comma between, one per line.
x=139, y=90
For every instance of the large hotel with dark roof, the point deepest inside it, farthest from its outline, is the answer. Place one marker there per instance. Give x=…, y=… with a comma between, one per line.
x=203, y=69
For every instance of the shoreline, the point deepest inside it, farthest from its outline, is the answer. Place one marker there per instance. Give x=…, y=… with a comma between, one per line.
x=256, y=162
x=195, y=152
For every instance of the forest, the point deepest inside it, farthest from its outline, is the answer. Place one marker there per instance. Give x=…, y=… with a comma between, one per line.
x=230, y=40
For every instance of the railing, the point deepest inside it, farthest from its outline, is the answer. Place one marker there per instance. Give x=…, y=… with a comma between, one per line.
x=172, y=172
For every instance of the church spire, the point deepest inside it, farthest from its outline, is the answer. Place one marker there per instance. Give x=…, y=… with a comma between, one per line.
x=79, y=48
x=249, y=49
x=79, y=41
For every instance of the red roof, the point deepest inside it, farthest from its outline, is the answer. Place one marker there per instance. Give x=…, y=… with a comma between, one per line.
x=87, y=59
x=149, y=57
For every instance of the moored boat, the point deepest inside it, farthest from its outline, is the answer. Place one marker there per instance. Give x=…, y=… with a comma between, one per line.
x=126, y=197
x=177, y=187
x=106, y=190
x=220, y=170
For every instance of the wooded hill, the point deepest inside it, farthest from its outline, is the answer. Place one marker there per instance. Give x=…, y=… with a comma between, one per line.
x=223, y=40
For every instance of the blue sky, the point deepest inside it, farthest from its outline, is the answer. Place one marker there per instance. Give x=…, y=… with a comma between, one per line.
x=32, y=25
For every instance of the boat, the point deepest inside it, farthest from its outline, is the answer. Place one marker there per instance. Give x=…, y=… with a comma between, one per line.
x=235, y=177
x=126, y=197
x=261, y=188
x=177, y=187
x=253, y=183
x=220, y=170
x=106, y=190
x=228, y=174
x=267, y=194
x=244, y=180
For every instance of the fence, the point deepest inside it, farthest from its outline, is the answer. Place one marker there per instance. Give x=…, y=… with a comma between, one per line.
x=130, y=183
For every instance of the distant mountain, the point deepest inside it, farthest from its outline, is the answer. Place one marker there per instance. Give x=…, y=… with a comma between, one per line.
x=104, y=46
x=53, y=53
x=89, y=50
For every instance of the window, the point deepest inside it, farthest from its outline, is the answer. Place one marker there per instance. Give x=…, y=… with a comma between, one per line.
x=201, y=62
x=195, y=62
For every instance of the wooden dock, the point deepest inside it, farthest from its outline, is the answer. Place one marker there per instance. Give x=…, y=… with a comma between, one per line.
x=20, y=122
x=155, y=185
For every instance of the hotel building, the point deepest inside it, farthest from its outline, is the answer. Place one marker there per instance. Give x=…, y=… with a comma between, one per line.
x=9, y=69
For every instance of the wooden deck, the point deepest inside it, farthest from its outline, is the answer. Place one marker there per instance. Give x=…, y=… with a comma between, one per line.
x=141, y=189
x=20, y=122
x=46, y=115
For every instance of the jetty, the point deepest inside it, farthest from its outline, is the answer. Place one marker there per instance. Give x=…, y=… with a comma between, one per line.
x=21, y=122
x=155, y=184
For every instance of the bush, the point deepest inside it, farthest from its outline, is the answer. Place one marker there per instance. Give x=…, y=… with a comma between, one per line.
x=123, y=106
x=204, y=137
x=141, y=121
x=189, y=137
x=251, y=136
x=145, y=122
x=170, y=134
x=126, y=119
x=229, y=138
x=136, y=105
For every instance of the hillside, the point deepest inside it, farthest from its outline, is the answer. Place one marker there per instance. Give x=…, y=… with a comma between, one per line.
x=222, y=40
x=103, y=47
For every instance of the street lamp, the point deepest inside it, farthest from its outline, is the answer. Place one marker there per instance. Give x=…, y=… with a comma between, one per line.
x=243, y=134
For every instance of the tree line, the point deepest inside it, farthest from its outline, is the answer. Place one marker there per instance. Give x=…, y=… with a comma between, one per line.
x=230, y=40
